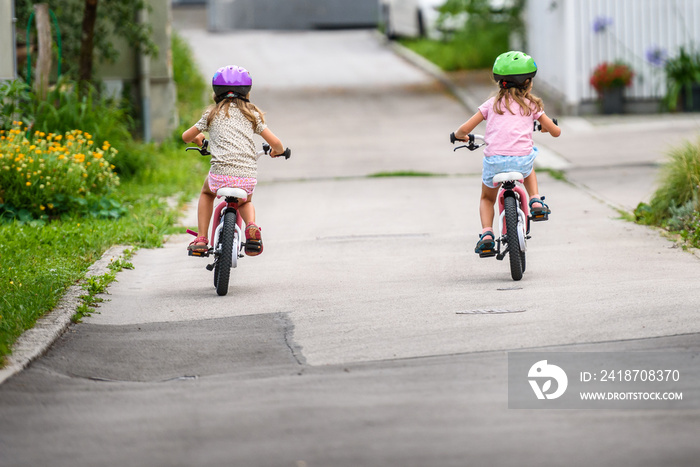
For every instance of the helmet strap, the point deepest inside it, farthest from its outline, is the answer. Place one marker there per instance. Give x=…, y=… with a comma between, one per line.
x=509, y=84
x=230, y=95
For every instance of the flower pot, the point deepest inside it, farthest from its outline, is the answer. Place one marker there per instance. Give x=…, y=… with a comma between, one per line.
x=690, y=102
x=613, y=100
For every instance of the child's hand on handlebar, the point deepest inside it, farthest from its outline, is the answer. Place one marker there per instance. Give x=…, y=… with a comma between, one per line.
x=453, y=138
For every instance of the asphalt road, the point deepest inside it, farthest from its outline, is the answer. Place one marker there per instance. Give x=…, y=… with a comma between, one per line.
x=344, y=343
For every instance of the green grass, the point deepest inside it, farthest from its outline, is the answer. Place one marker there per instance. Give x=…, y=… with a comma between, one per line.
x=40, y=260
x=465, y=51
x=404, y=173
x=675, y=205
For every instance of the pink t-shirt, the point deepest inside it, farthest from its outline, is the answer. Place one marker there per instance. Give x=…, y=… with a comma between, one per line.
x=508, y=134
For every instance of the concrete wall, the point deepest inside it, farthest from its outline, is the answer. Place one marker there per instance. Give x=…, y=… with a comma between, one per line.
x=226, y=15
x=8, y=65
x=125, y=73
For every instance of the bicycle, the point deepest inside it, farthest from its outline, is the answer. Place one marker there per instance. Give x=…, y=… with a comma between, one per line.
x=226, y=242
x=514, y=214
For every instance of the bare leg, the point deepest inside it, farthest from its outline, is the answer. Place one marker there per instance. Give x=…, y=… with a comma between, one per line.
x=530, y=183
x=205, y=209
x=247, y=210
x=486, y=206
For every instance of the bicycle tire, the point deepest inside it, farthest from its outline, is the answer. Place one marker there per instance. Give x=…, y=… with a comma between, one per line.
x=222, y=270
x=515, y=255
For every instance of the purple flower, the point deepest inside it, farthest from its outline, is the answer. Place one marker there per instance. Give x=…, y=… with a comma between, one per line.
x=656, y=56
x=601, y=24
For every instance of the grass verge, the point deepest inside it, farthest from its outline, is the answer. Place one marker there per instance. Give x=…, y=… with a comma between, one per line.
x=675, y=206
x=40, y=260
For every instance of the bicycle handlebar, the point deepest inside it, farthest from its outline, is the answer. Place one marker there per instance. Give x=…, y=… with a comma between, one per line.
x=471, y=138
x=204, y=150
x=537, y=126
x=471, y=145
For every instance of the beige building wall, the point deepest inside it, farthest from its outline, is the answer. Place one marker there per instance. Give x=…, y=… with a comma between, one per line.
x=8, y=69
x=125, y=74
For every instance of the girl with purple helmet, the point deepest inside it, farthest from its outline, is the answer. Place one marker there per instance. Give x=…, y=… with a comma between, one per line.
x=231, y=123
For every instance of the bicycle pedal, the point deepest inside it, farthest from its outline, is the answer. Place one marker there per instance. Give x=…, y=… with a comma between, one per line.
x=539, y=218
x=487, y=254
x=199, y=254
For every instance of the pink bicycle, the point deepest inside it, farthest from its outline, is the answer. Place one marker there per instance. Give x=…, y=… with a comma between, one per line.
x=227, y=243
x=513, y=219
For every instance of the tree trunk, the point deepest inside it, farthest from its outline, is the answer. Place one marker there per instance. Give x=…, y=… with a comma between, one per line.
x=87, y=40
x=43, y=64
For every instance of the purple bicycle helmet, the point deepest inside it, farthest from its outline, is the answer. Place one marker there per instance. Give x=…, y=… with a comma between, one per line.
x=231, y=81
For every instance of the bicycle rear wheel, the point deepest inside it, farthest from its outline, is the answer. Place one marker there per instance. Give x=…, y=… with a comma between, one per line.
x=222, y=270
x=515, y=255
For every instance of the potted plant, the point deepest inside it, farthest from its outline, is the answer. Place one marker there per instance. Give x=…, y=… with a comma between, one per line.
x=683, y=81
x=610, y=80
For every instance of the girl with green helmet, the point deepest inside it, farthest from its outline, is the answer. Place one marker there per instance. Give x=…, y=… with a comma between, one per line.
x=509, y=117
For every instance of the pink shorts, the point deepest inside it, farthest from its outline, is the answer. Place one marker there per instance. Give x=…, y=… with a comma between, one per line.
x=219, y=181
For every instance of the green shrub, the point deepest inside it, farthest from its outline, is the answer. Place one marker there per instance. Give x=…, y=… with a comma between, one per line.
x=53, y=174
x=191, y=86
x=15, y=103
x=676, y=203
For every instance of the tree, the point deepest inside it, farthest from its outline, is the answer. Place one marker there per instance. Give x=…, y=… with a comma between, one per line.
x=87, y=41
x=88, y=29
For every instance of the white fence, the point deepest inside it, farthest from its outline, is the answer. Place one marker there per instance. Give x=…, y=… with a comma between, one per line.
x=569, y=38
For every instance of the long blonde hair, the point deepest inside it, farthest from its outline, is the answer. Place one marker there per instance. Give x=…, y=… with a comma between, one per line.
x=248, y=109
x=519, y=96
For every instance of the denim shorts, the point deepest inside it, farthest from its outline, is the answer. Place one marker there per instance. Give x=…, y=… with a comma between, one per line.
x=496, y=164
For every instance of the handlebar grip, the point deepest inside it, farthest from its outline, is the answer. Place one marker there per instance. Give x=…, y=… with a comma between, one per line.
x=453, y=138
x=287, y=153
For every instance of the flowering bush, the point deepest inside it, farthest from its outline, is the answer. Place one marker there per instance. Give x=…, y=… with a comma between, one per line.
x=611, y=75
x=52, y=174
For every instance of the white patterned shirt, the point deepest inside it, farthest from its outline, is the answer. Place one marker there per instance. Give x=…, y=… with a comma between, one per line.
x=231, y=143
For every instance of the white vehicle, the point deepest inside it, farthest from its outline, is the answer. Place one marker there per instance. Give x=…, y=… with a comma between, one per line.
x=410, y=18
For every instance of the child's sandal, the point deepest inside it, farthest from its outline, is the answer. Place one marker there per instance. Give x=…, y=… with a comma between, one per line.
x=253, y=240
x=539, y=213
x=199, y=244
x=485, y=247
x=199, y=247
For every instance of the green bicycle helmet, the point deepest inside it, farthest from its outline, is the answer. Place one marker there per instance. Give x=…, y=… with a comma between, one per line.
x=512, y=69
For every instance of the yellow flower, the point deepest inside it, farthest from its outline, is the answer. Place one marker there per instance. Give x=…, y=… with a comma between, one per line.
x=50, y=206
x=29, y=183
x=42, y=207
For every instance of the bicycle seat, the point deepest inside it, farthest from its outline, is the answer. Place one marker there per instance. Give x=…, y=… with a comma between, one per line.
x=230, y=192
x=507, y=177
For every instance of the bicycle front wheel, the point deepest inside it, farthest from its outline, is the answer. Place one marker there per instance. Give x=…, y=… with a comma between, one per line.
x=515, y=255
x=222, y=270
